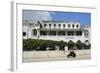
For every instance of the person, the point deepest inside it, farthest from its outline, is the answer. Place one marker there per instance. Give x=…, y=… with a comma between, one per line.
x=71, y=54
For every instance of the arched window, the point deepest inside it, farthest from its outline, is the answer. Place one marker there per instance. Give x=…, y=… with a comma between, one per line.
x=68, y=25
x=54, y=25
x=45, y=25
x=34, y=32
x=64, y=25
x=59, y=25
x=49, y=25
x=73, y=25
x=77, y=25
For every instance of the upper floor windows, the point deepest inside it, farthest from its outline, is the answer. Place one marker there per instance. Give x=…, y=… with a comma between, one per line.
x=68, y=25
x=73, y=25
x=77, y=25
x=45, y=25
x=49, y=25
x=59, y=25
x=54, y=25
x=64, y=25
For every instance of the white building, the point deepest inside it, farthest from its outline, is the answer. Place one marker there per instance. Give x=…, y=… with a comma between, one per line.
x=56, y=30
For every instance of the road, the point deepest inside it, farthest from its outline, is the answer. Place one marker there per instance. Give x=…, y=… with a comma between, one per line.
x=54, y=56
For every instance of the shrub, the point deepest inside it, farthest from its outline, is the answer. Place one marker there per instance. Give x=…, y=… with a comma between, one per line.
x=70, y=45
x=42, y=45
x=62, y=45
x=79, y=45
x=28, y=45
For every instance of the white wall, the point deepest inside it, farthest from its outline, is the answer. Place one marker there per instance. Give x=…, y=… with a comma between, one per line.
x=5, y=37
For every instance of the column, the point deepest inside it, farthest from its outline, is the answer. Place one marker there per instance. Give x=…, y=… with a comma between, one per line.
x=38, y=33
x=82, y=33
x=28, y=31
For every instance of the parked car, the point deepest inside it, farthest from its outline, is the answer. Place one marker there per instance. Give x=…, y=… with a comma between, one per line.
x=72, y=54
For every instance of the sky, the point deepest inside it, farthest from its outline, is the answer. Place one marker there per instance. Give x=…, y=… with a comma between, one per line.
x=83, y=18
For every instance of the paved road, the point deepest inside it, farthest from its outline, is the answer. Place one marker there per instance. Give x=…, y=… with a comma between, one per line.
x=80, y=57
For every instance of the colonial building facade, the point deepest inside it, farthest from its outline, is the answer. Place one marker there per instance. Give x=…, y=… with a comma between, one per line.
x=56, y=30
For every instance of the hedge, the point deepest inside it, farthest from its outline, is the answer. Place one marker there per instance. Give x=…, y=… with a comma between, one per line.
x=41, y=45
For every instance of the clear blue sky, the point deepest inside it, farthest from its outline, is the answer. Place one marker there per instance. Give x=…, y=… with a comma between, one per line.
x=83, y=18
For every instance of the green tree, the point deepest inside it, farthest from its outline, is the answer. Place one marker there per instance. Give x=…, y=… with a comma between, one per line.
x=70, y=44
x=79, y=45
x=62, y=45
x=28, y=45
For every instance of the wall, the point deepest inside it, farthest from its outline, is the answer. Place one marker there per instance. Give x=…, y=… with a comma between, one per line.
x=55, y=55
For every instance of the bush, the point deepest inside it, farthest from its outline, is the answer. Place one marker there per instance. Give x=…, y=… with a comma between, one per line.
x=42, y=45
x=87, y=46
x=70, y=45
x=28, y=45
x=79, y=45
x=62, y=45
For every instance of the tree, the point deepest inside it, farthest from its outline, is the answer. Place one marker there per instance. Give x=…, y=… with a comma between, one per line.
x=70, y=44
x=62, y=45
x=87, y=46
x=28, y=45
x=79, y=45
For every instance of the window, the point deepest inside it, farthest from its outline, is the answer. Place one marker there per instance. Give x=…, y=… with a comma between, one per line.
x=24, y=33
x=49, y=25
x=34, y=32
x=52, y=33
x=86, y=41
x=61, y=33
x=68, y=25
x=54, y=25
x=45, y=25
x=73, y=25
x=64, y=25
x=77, y=26
x=78, y=33
x=70, y=33
x=59, y=25
x=43, y=32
